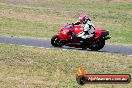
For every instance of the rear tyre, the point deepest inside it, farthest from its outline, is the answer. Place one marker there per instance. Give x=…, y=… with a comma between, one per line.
x=55, y=41
x=98, y=45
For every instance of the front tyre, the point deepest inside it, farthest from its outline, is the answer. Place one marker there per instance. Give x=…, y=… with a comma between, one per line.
x=97, y=46
x=55, y=41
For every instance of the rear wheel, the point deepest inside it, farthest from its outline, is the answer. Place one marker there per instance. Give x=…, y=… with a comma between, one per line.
x=56, y=42
x=98, y=45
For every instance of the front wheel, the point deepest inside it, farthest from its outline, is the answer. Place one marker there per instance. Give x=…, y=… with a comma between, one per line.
x=55, y=41
x=98, y=45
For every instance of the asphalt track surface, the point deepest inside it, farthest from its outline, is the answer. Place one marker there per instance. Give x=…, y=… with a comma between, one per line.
x=118, y=49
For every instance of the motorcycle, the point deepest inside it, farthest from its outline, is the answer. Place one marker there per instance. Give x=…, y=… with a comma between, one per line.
x=65, y=37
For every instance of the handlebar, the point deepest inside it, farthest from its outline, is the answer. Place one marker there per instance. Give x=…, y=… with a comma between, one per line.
x=69, y=26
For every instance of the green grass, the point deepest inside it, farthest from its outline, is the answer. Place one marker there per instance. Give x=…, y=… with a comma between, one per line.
x=43, y=18
x=31, y=67
x=26, y=28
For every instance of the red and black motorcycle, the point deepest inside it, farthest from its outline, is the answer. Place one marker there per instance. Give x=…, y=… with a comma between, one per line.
x=64, y=37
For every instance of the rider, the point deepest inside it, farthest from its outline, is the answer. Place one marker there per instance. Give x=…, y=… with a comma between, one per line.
x=88, y=28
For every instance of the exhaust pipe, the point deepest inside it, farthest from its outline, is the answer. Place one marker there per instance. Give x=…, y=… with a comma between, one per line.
x=107, y=37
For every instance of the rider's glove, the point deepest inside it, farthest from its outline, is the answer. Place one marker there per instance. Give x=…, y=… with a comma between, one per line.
x=73, y=24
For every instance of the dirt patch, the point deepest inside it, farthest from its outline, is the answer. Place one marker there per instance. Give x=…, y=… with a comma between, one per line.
x=20, y=2
x=34, y=17
x=120, y=0
x=33, y=80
